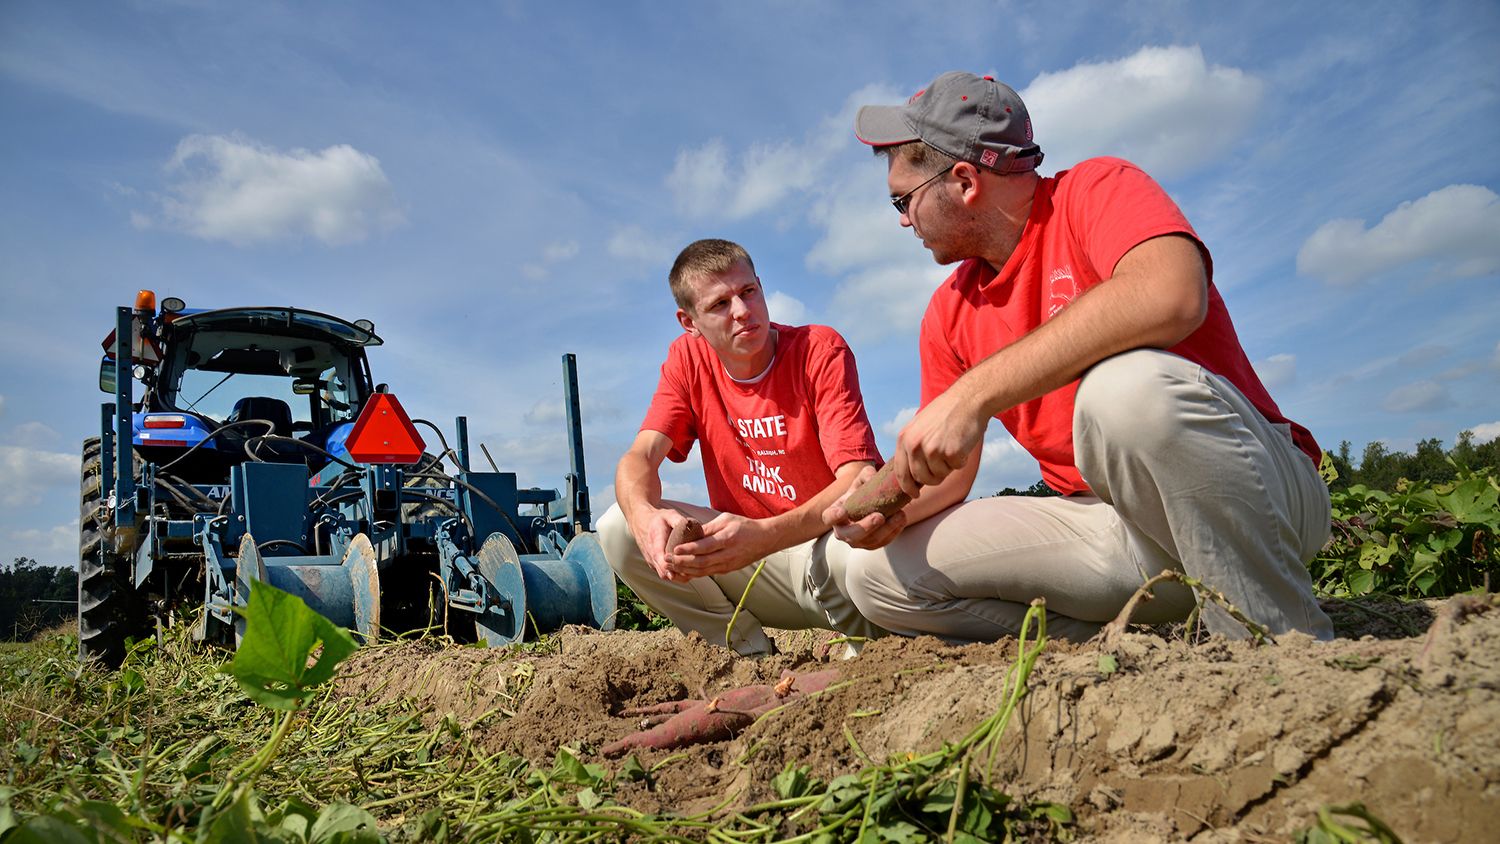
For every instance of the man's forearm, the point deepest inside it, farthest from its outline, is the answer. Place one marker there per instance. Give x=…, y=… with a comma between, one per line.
x=637, y=484
x=805, y=521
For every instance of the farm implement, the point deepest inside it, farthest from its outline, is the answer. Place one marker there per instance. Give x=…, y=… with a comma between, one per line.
x=260, y=449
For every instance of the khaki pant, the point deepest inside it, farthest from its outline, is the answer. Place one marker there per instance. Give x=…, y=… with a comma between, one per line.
x=1188, y=476
x=800, y=588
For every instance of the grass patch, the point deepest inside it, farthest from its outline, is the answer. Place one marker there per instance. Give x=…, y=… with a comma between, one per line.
x=172, y=748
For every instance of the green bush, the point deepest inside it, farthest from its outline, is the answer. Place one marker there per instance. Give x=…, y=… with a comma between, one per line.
x=1420, y=540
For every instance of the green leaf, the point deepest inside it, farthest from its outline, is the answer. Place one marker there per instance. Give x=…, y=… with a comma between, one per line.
x=1372, y=556
x=1327, y=470
x=235, y=824
x=47, y=829
x=1423, y=560
x=940, y=799
x=281, y=634
x=566, y=768
x=588, y=799
x=843, y=793
x=293, y=818
x=1108, y=664
x=100, y=815
x=634, y=771
x=1361, y=582
x=130, y=680
x=341, y=823
x=976, y=817
x=1055, y=812
x=791, y=782
x=902, y=832
x=7, y=817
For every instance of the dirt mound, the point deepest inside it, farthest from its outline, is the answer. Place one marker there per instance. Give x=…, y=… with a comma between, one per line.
x=1221, y=741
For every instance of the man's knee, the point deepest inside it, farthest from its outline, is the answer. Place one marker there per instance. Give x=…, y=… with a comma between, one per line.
x=1128, y=401
x=615, y=539
x=875, y=592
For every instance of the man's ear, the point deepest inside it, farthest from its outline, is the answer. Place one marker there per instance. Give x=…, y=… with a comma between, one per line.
x=969, y=183
x=685, y=320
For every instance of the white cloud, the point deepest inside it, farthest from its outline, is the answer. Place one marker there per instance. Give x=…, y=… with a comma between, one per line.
x=699, y=180
x=860, y=229
x=1003, y=463
x=1486, y=432
x=552, y=253
x=875, y=303
x=1277, y=370
x=56, y=546
x=684, y=481
x=899, y=421
x=785, y=309
x=551, y=411
x=27, y=474
x=1423, y=355
x=771, y=173
x=712, y=181
x=233, y=189
x=33, y=435
x=633, y=243
x=1454, y=232
x=1421, y=395
x=1165, y=108
x=886, y=276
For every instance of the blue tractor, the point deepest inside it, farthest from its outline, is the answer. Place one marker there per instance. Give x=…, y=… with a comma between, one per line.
x=260, y=448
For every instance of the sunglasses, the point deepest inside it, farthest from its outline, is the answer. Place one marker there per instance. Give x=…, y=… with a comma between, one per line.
x=904, y=200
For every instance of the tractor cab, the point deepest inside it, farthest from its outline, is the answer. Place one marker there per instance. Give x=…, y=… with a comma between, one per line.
x=247, y=383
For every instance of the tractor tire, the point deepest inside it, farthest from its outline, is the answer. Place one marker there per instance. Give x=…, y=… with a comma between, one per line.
x=425, y=509
x=109, y=610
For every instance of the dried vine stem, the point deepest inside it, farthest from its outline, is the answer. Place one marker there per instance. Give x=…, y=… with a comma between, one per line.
x=1109, y=637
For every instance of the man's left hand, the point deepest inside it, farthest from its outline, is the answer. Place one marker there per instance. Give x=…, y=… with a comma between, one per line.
x=729, y=543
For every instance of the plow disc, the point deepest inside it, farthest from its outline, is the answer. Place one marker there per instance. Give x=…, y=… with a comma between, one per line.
x=347, y=592
x=544, y=592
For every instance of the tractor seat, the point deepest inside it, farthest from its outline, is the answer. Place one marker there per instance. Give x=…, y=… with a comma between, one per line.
x=265, y=408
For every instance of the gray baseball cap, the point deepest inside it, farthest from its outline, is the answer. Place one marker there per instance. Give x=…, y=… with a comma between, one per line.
x=967, y=117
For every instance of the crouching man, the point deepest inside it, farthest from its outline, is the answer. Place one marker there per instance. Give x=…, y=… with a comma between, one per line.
x=777, y=413
x=1083, y=315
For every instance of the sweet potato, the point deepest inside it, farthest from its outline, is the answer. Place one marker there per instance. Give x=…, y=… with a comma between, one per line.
x=881, y=494
x=701, y=721
x=688, y=530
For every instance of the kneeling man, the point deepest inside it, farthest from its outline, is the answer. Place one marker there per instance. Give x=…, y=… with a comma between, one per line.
x=782, y=429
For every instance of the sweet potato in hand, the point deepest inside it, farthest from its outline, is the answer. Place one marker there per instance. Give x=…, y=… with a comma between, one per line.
x=881, y=494
x=688, y=530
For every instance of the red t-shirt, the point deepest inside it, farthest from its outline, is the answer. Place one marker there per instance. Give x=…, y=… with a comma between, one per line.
x=769, y=445
x=1082, y=222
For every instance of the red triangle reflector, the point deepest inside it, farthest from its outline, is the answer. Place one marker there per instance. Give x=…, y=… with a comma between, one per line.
x=384, y=433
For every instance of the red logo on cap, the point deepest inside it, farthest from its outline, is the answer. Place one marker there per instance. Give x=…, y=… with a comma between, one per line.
x=988, y=158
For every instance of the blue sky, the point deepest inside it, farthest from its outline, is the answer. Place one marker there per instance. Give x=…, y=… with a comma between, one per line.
x=495, y=184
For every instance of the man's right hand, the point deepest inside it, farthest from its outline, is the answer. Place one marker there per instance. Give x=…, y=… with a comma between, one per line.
x=874, y=530
x=651, y=528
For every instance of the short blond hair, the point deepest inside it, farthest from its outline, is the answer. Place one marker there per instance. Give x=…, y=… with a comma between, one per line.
x=709, y=257
x=926, y=160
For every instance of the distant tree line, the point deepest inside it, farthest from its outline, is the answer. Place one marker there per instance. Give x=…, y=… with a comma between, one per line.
x=34, y=598
x=1380, y=468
